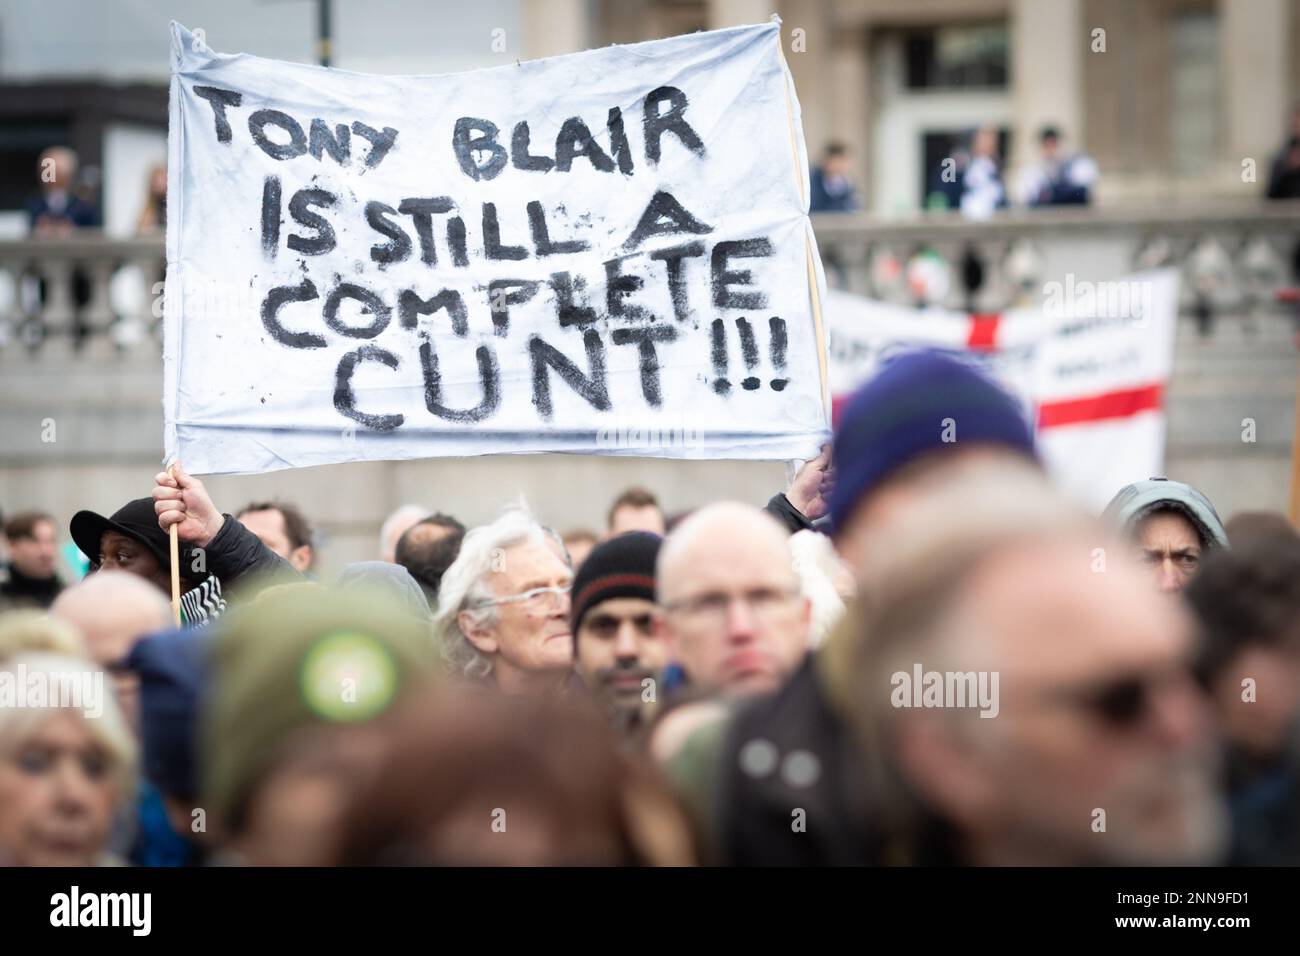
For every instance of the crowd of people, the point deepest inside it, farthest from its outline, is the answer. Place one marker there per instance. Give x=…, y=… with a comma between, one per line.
x=920, y=652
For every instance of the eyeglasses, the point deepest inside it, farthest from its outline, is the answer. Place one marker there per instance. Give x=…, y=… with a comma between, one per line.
x=535, y=600
x=1126, y=702
x=711, y=609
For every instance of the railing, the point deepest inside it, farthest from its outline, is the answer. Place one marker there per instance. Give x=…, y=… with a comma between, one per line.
x=1233, y=256
x=92, y=295
x=85, y=294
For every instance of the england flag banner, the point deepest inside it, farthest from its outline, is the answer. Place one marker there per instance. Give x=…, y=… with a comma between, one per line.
x=601, y=253
x=1090, y=366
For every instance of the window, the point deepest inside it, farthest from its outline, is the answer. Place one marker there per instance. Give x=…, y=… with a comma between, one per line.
x=1195, y=107
x=957, y=56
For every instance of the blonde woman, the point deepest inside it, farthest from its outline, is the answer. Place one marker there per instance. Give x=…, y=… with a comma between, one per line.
x=30, y=631
x=67, y=762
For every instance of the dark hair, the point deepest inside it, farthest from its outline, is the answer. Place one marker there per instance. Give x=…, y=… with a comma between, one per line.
x=1246, y=526
x=1246, y=596
x=635, y=497
x=1170, y=507
x=296, y=527
x=836, y=148
x=23, y=524
x=1048, y=132
x=427, y=556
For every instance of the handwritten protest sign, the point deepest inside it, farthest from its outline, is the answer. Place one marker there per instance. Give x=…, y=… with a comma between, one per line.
x=605, y=253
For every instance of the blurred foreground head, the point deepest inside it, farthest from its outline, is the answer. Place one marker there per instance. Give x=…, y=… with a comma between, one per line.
x=920, y=413
x=1023, y=696
x=489, y=780
x=112, y=612
x=298, y=657
x=67, y=762
x=32, y=631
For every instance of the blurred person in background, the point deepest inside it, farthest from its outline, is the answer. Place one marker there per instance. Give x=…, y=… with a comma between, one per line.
x=1102, y=750
x=468, y=780
x=619, y=652
x=943, y=189
x=636, y=509
x=396, y=525
x=293, y=659
x=59, y=210
x=832, y=186
x=982, y=191
x=1248, y=603
x=1058, y=178
x=503, y=608
x=1284, y=174
x=579, y=542
x=30, y=577
x=284, y=529
x=734, y=617
x=399, y=588
x=153, y=215
x=427, y=549
x=64, y=774
x=1172, y=527
x=1245, y=526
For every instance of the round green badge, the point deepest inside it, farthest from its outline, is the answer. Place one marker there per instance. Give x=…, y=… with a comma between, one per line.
x=348, y=676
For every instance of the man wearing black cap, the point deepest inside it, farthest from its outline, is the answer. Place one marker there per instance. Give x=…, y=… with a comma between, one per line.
x=215, y=549
x=131, y=540
x=617, y=652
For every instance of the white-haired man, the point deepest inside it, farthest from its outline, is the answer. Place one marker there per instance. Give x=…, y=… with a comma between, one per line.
x=503, y=607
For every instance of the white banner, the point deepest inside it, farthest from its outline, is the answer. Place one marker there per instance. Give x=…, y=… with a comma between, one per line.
x=1091, y=367
x=605, y=253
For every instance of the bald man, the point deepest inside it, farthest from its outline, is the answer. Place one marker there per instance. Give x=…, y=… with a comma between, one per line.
x=734, y=617
x=113, y=611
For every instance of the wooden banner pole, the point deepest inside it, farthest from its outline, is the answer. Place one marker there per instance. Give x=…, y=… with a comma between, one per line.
x=1295, y=456
x=174, y=546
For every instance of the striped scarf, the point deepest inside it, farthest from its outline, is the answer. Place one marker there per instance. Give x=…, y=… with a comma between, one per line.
x=203, y=603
